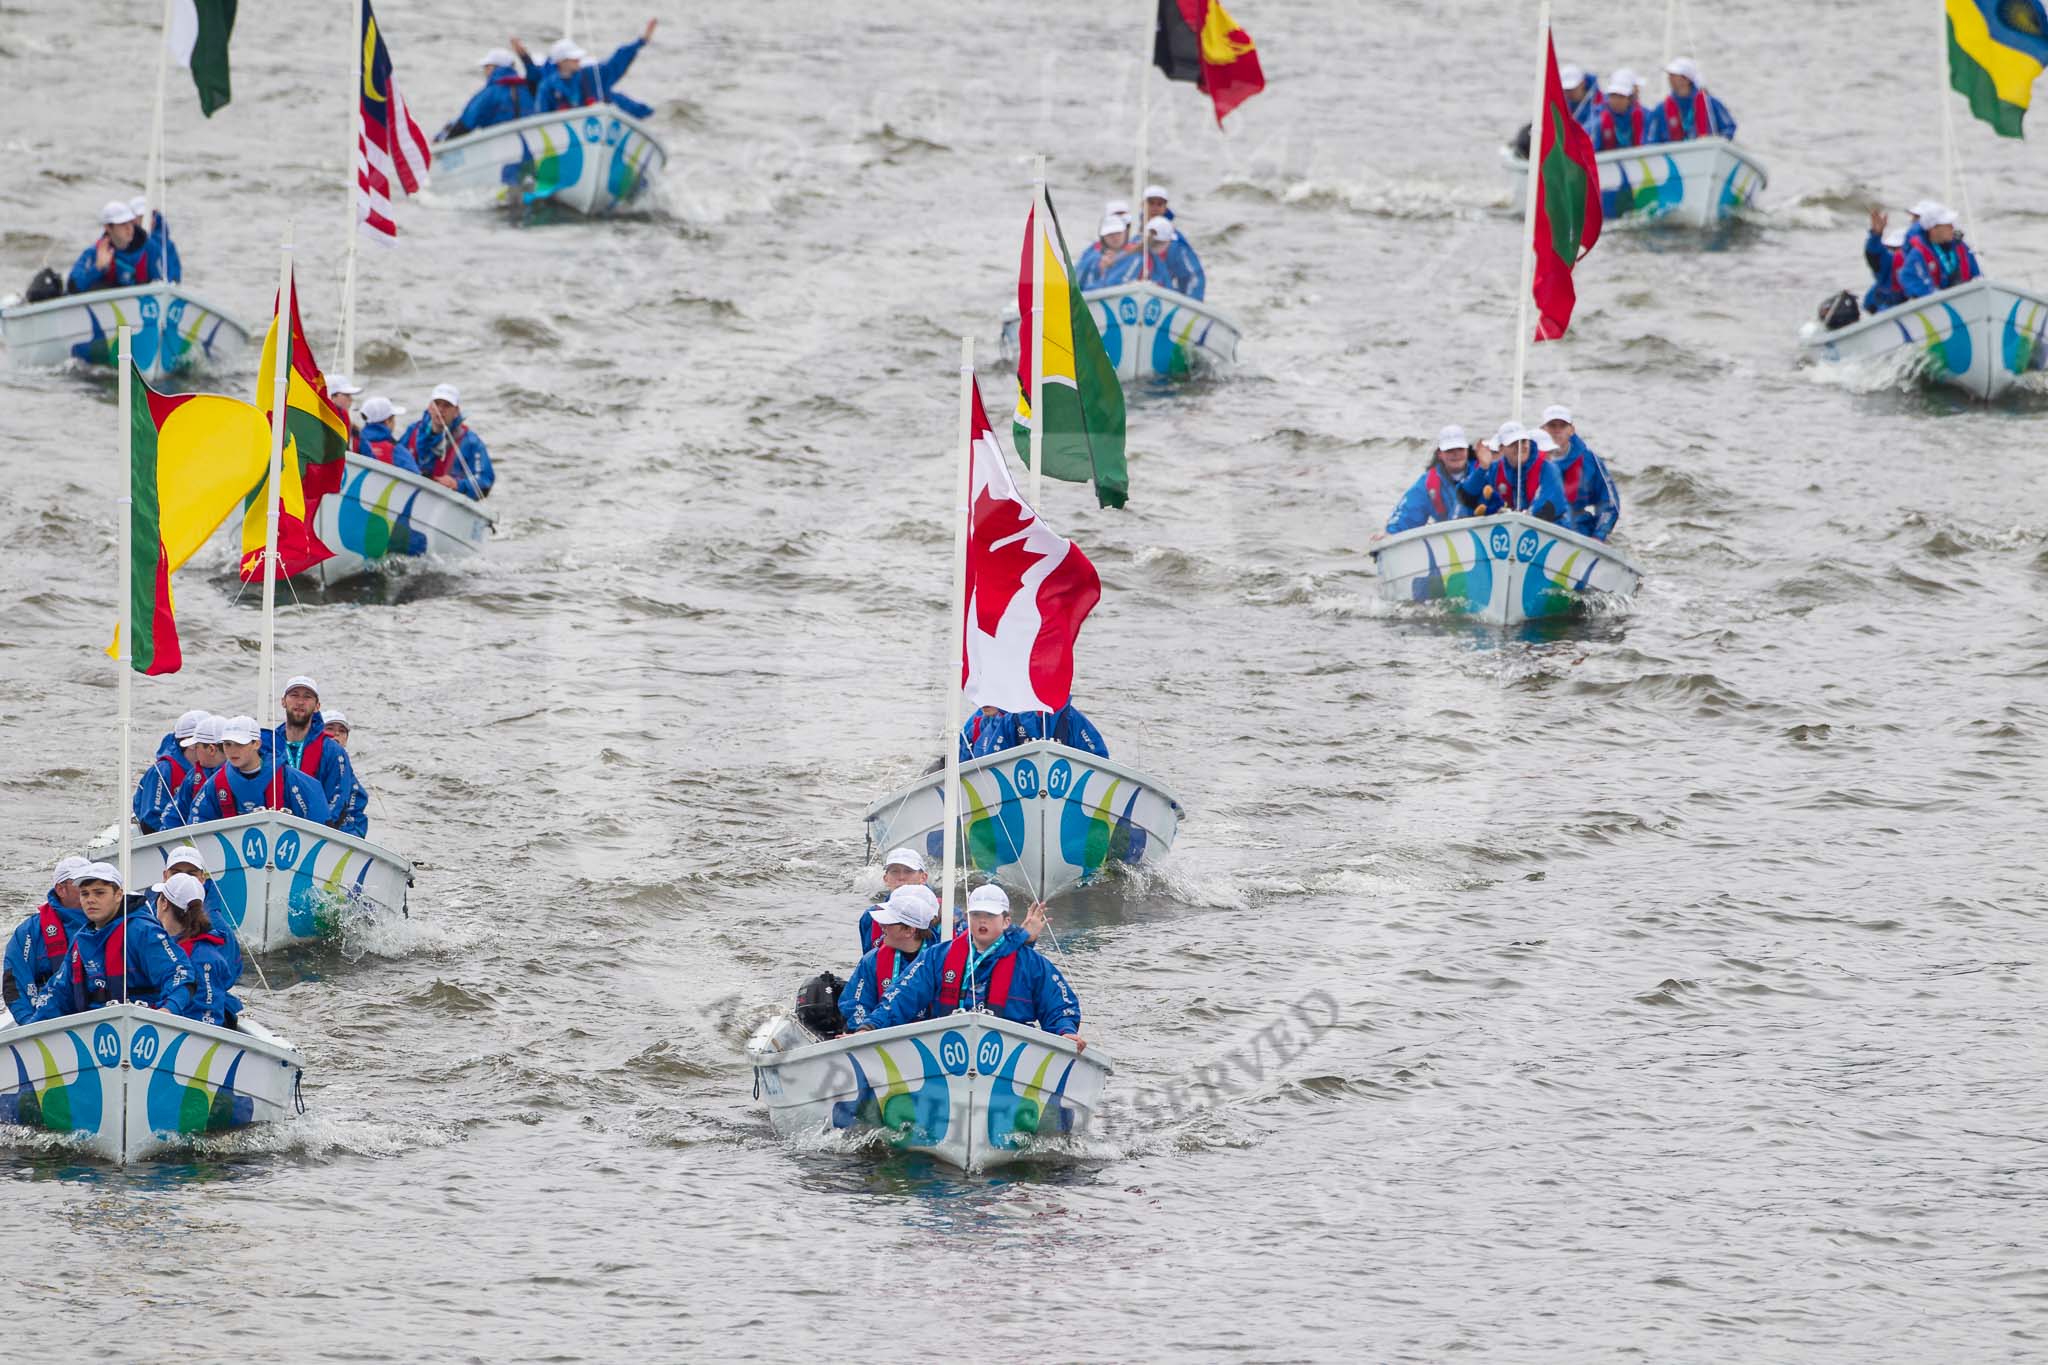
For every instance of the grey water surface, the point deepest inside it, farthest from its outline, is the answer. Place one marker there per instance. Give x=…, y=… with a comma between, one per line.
x=1662, y=987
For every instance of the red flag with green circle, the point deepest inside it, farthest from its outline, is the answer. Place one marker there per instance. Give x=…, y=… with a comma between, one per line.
x=1567, y=189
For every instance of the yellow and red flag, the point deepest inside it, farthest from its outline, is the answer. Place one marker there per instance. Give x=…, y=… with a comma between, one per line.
x=1197, y=40
x=315, y=440
x=191, y=455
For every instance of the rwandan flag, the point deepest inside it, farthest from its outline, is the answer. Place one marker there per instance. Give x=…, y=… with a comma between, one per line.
x=1084, y=400
x=315, y=440
x=190, y=456
x=1996, y=50
x=1565, y=179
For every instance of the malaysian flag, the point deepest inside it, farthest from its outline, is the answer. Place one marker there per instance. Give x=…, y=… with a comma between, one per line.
x=389, y=145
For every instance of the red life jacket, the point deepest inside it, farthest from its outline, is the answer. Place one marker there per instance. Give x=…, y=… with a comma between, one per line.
x=110, y=278
x=178, y=771
x=1572, y=473
x=1609, y=138
x=215, y=939
x=1532, y=479
x=1702, y=117
x=51, y=938
x=273, y=795
x=956, y=968
x=382, y=450
x=116, y=961
x=449, y=442
x=1434, y=485
x=1931, y=258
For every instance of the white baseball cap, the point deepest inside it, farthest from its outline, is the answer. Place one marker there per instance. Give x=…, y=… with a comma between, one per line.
x=904, y=857
x=100, y=872
x=1942, y=217
x=139, y=206
x=1925, y=207
x=209, y=730
x=446, y=393
x=1571, y=77
x=188, y=723
x=498, y=56
x=301, y=680
x=566, y=51
x=1115, y=222
x=988, y=900
x=1156, y=192
x=1541, y=439
x=183, y=889
x=1509, y=433
x=240, y=730
x=379, y=409
x=1162, y=228
x=1116, y=208
x=116, y=211
x=339, y=383
x=1683, y=66
x=915, y=906
x=184, y=853
x=69, y=868
x=1622, y=81
x=334, y=718
x=1452, y=438
x=1558, y=412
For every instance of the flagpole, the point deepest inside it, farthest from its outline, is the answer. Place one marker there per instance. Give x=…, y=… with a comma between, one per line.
x=348, y=177
x=1038, y=240
x=1670, y=30
x=568, y=16
x=126, y=653
x=153, y=178
x=1948, y=114
x=1151, y=8
x=281, y=358
x=1529, y=212
x=956, y=634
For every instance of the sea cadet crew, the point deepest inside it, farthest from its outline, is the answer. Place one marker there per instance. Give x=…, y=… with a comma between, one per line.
x=248, y=781
x=1170, y=261
x=1519, y=477
x=155, y=803
x=903, y=924
x=992, y=730
x=570, y=82
x=993, y=967
x=119, y=942
x=444, y=448
x=185, y=859
x=1937, y=257
x=1435, y=496
x=1581, y=91
x=1588, y=488
x=1689, y=112
x=1107, y=260
x=163, y=252
x=120, y=257
x=303, y=738
x=506, y=96
x=1618, y=120
x=181, y=910
x=203, y=759
x=41, y=943
x=378, y=440
x=903, y=867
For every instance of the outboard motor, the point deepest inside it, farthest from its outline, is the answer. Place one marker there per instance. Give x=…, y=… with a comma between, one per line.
x=1521, y=143
x=817, y=1005
x=47, y=285
x=1839, y=311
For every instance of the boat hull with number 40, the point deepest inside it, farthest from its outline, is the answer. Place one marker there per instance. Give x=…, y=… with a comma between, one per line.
x=1040, y=817
x=1979, y=337
x=593, y=160
x=130, y=1081
x=1503, y=569
x=1695, y=184
x=973, y=1090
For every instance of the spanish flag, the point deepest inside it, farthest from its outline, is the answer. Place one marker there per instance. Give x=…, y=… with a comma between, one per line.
x=1996, y=50
x=190, y=457
x=315, y=440
x=1197, y=40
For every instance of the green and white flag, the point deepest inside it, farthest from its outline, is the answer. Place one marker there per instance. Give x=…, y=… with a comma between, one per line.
x=198, y=41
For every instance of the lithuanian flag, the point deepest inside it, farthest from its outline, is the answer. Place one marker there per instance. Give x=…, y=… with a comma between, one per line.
x=1084, y=401
x=1996, y=50
x=315, y=440
x=190, y=456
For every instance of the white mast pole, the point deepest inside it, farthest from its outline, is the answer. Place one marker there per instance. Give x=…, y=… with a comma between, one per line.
x=348, y=176
x=956, y=635
x=568, y=17
x=1948, y=114
x=1529, y=212
x=280, y=387
x=153, y=179
x=1151, y=8
x=126, y=653
x=1670, y=30
x=1039, y=237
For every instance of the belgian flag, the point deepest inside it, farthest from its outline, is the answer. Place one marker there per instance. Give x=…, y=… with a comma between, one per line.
x=1198, y=41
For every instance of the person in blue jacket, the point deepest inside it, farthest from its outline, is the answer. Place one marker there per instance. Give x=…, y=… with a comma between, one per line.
x=1884, y=291
x=904, y=926
x=1435, y=496
x=993, y=967
x=903, y=867
x=1108, y=259
x=155, y=803
x=506, y=96
x=570, y=83
x=1581, y=91
x=1518, y=477
x=1589, y=490
x=1689, y=112
x=992, y=730
x=40, y=944
x=248, y=781
x=185, y=859
x=120, y=943
x=120, y=257
x=202, y=760
x=378, y=440
x=444, y=448
x=181, y=910
x=1934, y=256
x=163, y=252
x=352, y=815
x=1618, y=118
x=1170, y=261
x=302, y=738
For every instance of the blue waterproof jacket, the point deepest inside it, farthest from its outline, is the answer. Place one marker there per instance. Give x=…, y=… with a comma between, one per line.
x=379, y=441
x=1099, y=270
x=1038, y=993
x=33, y=958
x=213, y=976
x=1917, y=279
x=130, y=267
x=188, y=794
x=506, y=96
x=863, y=991
x=1418, y=508
x=217, y=911
x=1597, y=504
x=1590, y=100
x=984, y=735
x=302, y=795
x=1176, y=268
x=158, y=971
x=1672, y=121
x=1884, y=270
x=592, y=84
x=1610, y=129
x=1483, y=490
x=155, y=803
x=163, y=252
x=346, y=799
x=469, y=464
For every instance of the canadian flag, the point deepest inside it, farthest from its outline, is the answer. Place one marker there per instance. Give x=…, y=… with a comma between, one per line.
x=1028, y=591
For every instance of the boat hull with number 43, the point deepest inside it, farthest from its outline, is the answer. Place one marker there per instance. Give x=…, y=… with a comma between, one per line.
x=973, y=1090
x=130, y=1081
x=172, y=330
x=1503, y=569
